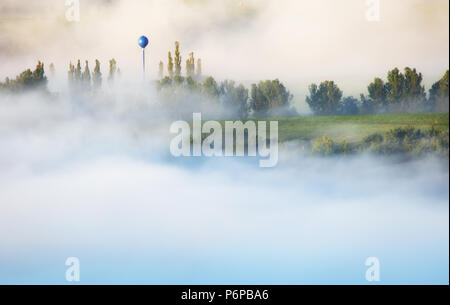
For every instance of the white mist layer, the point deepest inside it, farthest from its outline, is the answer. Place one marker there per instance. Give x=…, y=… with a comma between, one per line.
x=96, y=181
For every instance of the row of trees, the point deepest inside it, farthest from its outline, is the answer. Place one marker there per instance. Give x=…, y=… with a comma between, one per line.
x=265, y=98
x=79, y=79
x=402, y=92
x=85, y=80
x=193, y=68
x=27, y=80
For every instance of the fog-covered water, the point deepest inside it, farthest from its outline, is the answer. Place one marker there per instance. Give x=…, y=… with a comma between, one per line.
x=98, y=183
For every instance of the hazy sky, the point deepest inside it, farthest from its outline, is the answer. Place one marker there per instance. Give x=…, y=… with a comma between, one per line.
x=297, y=41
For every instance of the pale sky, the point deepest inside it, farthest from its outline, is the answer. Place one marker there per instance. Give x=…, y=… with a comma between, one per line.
x=297, y=41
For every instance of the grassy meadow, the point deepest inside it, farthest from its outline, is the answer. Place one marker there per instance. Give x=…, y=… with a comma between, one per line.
x=355, y=128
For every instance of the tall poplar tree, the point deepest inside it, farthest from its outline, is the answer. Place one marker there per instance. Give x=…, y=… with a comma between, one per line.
x=177, y=59
x=77, y=74
x=170, y=66
x=97, y=75
x=190, y=65
x=86, y=76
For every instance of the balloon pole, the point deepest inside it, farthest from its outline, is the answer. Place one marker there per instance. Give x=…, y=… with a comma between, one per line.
x=143, y=62
x=143, y=42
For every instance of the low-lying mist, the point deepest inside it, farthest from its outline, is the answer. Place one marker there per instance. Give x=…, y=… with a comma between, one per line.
x=93, y=178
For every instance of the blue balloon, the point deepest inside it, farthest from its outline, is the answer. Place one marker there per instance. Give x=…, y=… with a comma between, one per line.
x=143, y=41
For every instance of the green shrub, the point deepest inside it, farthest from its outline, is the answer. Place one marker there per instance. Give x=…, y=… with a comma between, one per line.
x=400, y=141
x=324, y=146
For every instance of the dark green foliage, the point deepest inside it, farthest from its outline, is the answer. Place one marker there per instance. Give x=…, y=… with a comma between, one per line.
x=210, y=87
x=325, y=147
x=234, y=98
x=401, y=93
x=325, y=98
x=438, y=95
x=165, y=82
x=349, y=106
x=413, y=98
x=408, y=142
x=375, y=138
x=404, y=92
x=377, y=94
x=27, y=80
x=366, y=105
x=178, y=80
x=268, y=95
x=192, y=85
x=395, y=85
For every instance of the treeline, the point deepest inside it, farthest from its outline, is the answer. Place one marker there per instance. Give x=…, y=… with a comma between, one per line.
x=79, y=79
x=86, y=80
x=27, y=80
x=266, y=98
x=400, y=93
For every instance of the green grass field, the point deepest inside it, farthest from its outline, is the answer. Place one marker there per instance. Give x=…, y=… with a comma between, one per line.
x=355, y=128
